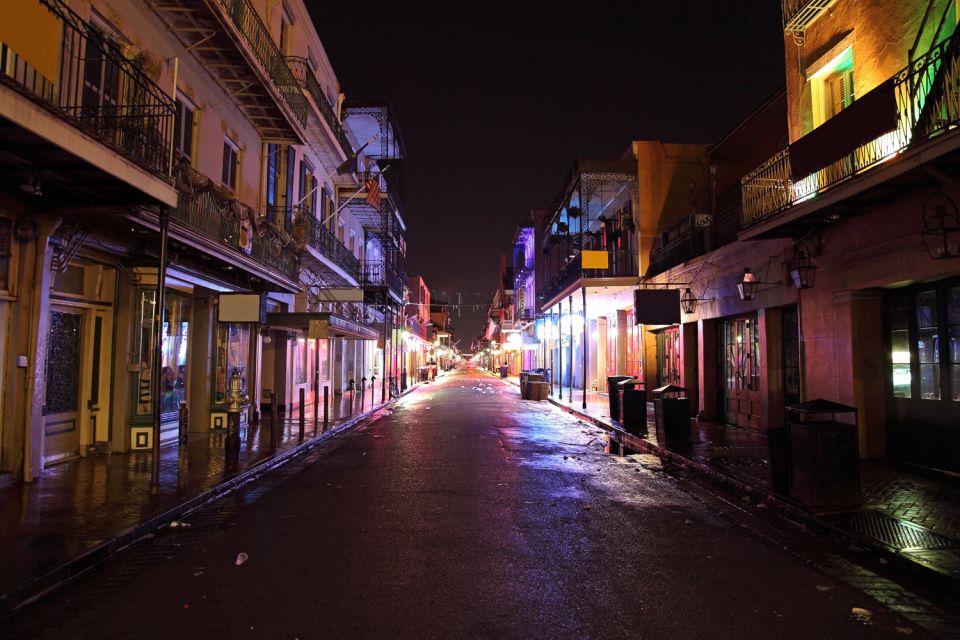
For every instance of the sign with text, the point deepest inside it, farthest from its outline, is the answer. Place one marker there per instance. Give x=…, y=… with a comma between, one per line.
x=656, y=306
x=340, y=295
x=319, y=329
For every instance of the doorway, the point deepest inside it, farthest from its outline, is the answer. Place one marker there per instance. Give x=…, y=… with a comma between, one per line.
x=739, y=379
x=62, y=396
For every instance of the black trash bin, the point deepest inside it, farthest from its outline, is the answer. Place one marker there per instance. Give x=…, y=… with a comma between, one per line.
x=633, y=405
x=503, y=371
x=825, y=455
x=778, y=443
x=613, y=393
x=524, y=394
x=672, y=414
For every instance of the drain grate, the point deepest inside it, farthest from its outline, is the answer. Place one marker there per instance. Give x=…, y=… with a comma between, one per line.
x=738, y=461
x=891, y=531
x=186, y=536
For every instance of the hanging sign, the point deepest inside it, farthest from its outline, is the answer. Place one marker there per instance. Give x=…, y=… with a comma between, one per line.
x=592, y=259
x=319, y=329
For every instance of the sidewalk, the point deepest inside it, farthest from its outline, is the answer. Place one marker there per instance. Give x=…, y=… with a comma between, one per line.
x=921, y=532
x=81, y=512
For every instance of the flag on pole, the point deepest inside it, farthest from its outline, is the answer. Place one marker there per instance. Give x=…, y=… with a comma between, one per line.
x=350, y=164
x=373, y=191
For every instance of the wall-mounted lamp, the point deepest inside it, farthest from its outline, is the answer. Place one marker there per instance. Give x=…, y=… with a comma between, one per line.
x=748, y=283
x=688, y=302
x=804, y=272
x=265, y=334
x=941, y=227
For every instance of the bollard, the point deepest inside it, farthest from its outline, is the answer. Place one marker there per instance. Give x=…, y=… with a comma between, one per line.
x=363, y=385
x=274, y=418
x=316, y=404
x=373, y=390
x=353, y=394
x=302, y=417
x=183, y=453
x=326, y=405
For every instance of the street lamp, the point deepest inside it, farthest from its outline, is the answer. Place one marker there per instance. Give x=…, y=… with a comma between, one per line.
x=941, y=227
x=804, y=271
x=747, y=286
x=688, y=302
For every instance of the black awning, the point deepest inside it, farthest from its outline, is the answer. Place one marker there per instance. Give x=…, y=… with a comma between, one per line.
x=338, y=326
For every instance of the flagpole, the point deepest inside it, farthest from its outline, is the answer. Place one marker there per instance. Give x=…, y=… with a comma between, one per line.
x=353, y=156
x=351, y=199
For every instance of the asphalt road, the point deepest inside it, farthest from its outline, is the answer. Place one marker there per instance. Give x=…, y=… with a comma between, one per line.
x=462, y=513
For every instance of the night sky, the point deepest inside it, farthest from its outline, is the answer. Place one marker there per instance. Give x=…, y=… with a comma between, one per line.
x=495, y=100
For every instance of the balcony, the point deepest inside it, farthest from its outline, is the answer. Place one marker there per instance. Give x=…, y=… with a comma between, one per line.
x=308, y=230
x=203, y=209
x=623, y=264
x=304, y=75
x=799, y=14
x=380, y=275
x=99, y=91
x=231, y=42
x=926, y=101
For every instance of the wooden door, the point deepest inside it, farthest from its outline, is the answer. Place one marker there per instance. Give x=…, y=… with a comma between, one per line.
x=740, y=371
x=62, y=390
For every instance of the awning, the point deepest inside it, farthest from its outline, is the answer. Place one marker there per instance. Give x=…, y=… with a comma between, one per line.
x=337, y=326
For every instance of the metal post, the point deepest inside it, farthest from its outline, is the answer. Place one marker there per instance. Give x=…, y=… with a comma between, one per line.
x=274, y=418
x=373, y=390
x=183, y=453
x=303, y=419
x=353, y=394
x=316, y=385
x=326, y=405
x=363, y=387
x=383, y=374
x=560, y=349
x=160, y=299
x=570, y=362
x=584, y=344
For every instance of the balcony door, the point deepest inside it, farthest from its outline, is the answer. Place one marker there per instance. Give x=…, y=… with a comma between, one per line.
x=101, y=83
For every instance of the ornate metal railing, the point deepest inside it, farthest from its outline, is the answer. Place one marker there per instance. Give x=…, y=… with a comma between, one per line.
x=203, y=208
x=798, y=14
x=309, y=230
x=257, y=36
x=376, y=275
x=100, y=91
x=301, y=70
x=622, y=264
x=928, y=103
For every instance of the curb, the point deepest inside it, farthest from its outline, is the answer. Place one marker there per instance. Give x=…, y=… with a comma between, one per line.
x=932, y=576
x=36, y=587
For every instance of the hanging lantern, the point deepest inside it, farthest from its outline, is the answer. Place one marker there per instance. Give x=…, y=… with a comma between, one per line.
x=804, y=271
x=688, y=303
x=747, y=286
x=941, y=227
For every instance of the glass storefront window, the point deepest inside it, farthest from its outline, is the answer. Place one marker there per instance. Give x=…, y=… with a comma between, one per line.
x=299, y=361
x=953, y=319
x=233, y=354
x=612, y=344
x=928, y=345
x=323, y=346
x=173, y=347
x=897, y=318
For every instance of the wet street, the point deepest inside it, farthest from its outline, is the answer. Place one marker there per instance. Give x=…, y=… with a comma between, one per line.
x=463, y=512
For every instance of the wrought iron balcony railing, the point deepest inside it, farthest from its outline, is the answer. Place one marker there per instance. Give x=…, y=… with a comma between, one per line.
x=307, y=229
x=622, y=264
x=928, y=104
x=100, y=91
x=201, y=208
x=798, y=14
x=304, y=75
x=377, y=275
x=257, y=37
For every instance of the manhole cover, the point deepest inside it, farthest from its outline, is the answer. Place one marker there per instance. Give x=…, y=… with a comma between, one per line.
x=891, y=531
x=186, y=536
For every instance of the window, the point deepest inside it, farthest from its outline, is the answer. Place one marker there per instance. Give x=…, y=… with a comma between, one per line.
x=183, y=130
x=231, y=161
x=233, y=353
x=327, y=209
x=668, y=356
x=284, y=40
x=832, y=87
x=273, y=177
x=308, y=193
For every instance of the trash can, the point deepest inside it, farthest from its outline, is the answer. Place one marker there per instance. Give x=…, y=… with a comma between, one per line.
x=633, y=405
x=778, y=443
x=825, y=455
x=672, y=414
x=503, y=371
x=613, y=394
x=524, y=391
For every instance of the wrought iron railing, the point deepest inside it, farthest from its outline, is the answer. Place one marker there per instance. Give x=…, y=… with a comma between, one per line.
x=100, y=91
x=928, y=103
x=798, y=14
x=309, y=230
x=301, y=70
x=621, y=264
x=376, y=275
x=257, y=36
x=201, y=208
